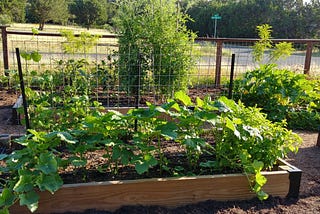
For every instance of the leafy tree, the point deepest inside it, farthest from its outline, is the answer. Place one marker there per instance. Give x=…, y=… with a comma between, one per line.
x=200, y=14
x=88, y=12
x=289, y=18
x=13, y=10
x=311, y=17
x=111, y=10
x=43, y=11
x=154, y=45
x=5, y=19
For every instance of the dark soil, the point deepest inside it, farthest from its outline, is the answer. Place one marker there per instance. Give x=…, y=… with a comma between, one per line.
x=307, y=159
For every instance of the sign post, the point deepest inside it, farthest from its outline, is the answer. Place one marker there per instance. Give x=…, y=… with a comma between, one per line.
x=215, y=18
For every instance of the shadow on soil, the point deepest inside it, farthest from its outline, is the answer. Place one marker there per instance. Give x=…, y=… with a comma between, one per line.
x=207, y=207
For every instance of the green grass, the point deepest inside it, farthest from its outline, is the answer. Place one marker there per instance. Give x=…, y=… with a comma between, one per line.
x=50, y=28
x=53, y=44
x=208, y=49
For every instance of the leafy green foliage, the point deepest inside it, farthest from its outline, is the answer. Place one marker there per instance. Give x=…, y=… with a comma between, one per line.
x=82, y=43
x=239, y=18
x=13, y=10
x=64, y=93
x=43, y=11
x=88, y=12
x=33, y=55
x=62, y=113
x=10, y=81
x=5, y=19
x=244, y=140
x=154, y=45
x=279, y=50
x=37, y=168
x=282, y=94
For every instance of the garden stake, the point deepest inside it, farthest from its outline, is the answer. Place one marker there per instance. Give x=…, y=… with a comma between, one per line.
x=24, y=100
x=137, y=91
x=231, y=76
x=318, y=141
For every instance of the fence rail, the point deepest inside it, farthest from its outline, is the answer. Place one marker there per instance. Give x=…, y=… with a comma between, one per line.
x=308, y=45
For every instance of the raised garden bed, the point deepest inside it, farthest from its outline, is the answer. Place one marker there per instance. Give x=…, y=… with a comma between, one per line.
x=174, y=140
x=169, y=192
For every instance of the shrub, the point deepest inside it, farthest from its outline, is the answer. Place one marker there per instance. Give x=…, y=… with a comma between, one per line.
x=282, y=94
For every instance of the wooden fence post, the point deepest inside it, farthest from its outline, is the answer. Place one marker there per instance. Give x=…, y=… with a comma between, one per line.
x=5, y=49
x=218, y=63
x=307, y=61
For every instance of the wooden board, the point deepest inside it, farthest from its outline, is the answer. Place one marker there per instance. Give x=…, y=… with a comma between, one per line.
x=170, y=192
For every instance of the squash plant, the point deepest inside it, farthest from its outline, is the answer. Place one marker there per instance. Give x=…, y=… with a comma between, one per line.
x=282, y=94
x=243, y=140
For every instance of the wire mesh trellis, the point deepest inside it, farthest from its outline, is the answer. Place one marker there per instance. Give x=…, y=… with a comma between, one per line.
x=97, y=74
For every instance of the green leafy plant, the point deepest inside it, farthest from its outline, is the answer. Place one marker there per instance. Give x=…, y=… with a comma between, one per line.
x=62, y=113
x=277, y=51
x=78, y=44
x=154, y=45
x=37, y=169
x=11, y=80
x=105, y=73
x=33, y=55
x=5, y=19
x=214, y=135
x=75, y=76
x=282, y=94
x=191, y=119
x=246, y=139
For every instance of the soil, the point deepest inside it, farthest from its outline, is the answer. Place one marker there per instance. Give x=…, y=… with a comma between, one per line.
x=307, y=159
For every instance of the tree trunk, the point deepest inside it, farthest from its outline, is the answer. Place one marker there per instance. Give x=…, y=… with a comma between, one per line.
x=41, y=25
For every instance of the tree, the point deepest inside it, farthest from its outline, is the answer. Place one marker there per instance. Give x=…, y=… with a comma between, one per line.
x=48, y=10
x=311, y=15
x=88, y=12
x=154, y=45
x=111, y=10
x=200, y=14
x=289, y=18
x=14, y=10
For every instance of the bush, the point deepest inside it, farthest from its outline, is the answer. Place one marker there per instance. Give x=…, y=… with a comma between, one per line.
x=282, y=94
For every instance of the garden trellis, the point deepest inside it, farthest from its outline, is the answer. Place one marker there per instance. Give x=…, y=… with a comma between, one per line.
x=96, y=71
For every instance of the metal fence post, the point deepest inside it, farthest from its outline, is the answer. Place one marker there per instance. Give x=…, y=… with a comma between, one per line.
x=307, y=61
x=218, y=63
x=318, y=140
x=5, y=48
x=233, y=58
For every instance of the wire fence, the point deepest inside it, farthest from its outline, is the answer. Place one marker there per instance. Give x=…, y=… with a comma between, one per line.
x=95, y=72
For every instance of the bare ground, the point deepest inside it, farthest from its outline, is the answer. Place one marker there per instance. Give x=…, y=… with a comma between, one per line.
x=307, y=159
